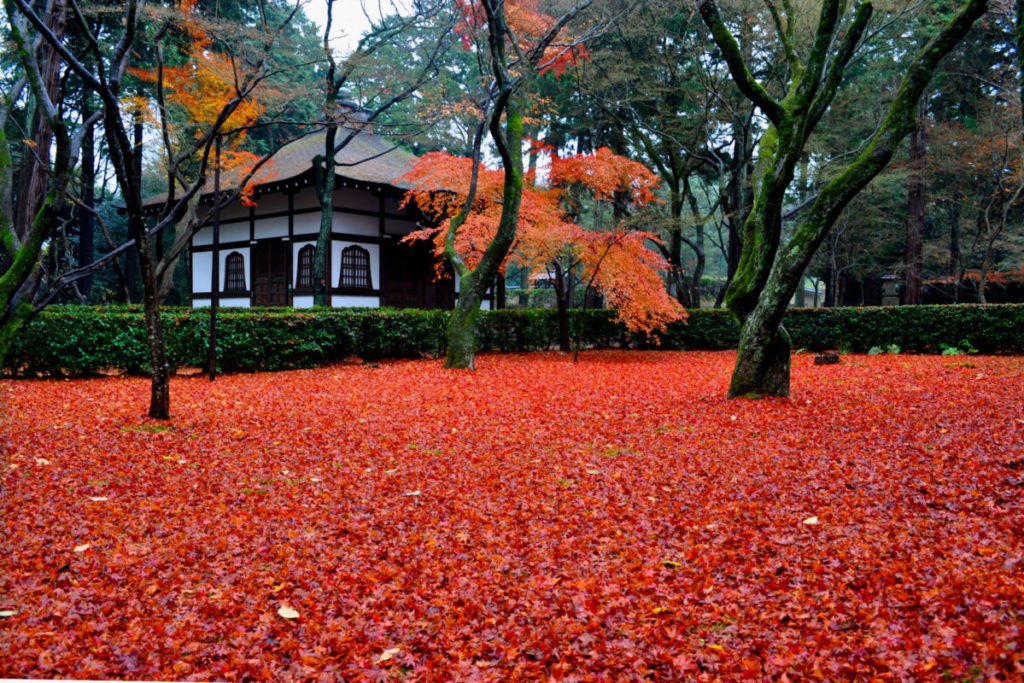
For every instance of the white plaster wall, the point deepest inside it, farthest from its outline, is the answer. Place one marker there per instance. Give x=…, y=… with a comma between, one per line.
x=230, y=232
x=203, y=236
x=355, y=224
x=271, y=203
x=348, y=301
x=302, y=302
x=225, y=303
x=307, y=224
x=306, y=199
x=202, y=263
x=264, y=228
x=235, y=210
x=374, y=249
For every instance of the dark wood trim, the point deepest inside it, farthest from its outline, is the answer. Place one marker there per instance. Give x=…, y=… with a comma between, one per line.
x=247, y=294
x=342, y=236
x=291, y=247
x=291, y=214
x=300, y=212
x=252, y=223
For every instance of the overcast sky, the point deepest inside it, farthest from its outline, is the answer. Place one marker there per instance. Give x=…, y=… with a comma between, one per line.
x=349, y=19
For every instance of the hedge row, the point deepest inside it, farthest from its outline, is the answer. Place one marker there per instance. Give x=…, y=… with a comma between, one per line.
x=80, y=341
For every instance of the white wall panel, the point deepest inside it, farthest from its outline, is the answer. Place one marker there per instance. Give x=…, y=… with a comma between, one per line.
x=271, y=227
x=360, y=301
x=354, y=224
x=202, y=263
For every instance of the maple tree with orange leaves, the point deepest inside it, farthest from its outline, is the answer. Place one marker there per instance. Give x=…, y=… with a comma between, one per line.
x=617, y=262
x=206, y=92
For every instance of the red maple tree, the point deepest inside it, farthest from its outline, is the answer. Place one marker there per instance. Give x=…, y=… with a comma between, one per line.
x=616, y=261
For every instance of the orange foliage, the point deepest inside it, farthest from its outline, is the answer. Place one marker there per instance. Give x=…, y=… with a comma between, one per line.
x=615, y=519
x=528, y=24
x=201, y=89
x=624, y=268
x=205, y=83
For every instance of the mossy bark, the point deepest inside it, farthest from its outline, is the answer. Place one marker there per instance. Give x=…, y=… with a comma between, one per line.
x=769, y=271
x=461, y=351
x=473, y=284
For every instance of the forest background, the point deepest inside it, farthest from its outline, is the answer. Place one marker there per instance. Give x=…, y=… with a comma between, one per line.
x=648, y=83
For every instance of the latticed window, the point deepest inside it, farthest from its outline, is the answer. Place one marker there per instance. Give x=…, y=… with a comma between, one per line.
x=305, y=279
x=355, y=268
x=234, y=273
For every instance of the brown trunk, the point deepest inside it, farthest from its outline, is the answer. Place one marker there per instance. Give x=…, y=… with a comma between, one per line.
x=86, y=224
x=35, y=168
x=562, y=301
x=915, y=215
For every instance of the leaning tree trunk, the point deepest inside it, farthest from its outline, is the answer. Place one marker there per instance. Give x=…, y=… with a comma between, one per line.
x=769, y=269
x=473, y=284
x=762, y=362
x=461, y=351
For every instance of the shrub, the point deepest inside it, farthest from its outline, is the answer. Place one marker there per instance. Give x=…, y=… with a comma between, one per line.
x=81, y=341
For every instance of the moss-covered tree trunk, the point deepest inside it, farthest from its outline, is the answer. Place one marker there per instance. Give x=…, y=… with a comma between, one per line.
x=769, y=270
x=473, y=284
x=27, y=221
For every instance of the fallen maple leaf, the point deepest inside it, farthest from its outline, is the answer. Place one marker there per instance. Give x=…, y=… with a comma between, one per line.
x=82, y=548
x=388, y=654
x=811, y=521
x=287, y=612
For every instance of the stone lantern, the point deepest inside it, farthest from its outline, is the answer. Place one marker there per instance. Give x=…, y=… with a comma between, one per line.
x=890, y=290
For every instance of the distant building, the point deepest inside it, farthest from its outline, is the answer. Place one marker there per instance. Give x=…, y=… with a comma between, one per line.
x=266, y=251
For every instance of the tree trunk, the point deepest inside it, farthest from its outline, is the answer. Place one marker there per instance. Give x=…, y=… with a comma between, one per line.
x=160, y=370
x=562, y=301
x=325, y=190
x=131, y=259
x=762, y=361
x=915, y=215
x=461, y=351
x=86, y=223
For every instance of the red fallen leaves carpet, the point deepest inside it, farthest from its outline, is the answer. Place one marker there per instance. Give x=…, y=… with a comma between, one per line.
x=610, y=520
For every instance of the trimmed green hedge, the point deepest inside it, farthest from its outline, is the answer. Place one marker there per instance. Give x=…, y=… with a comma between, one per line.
x=81, y=341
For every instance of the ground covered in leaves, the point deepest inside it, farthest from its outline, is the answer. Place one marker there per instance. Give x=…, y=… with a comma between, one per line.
x=613, y=519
